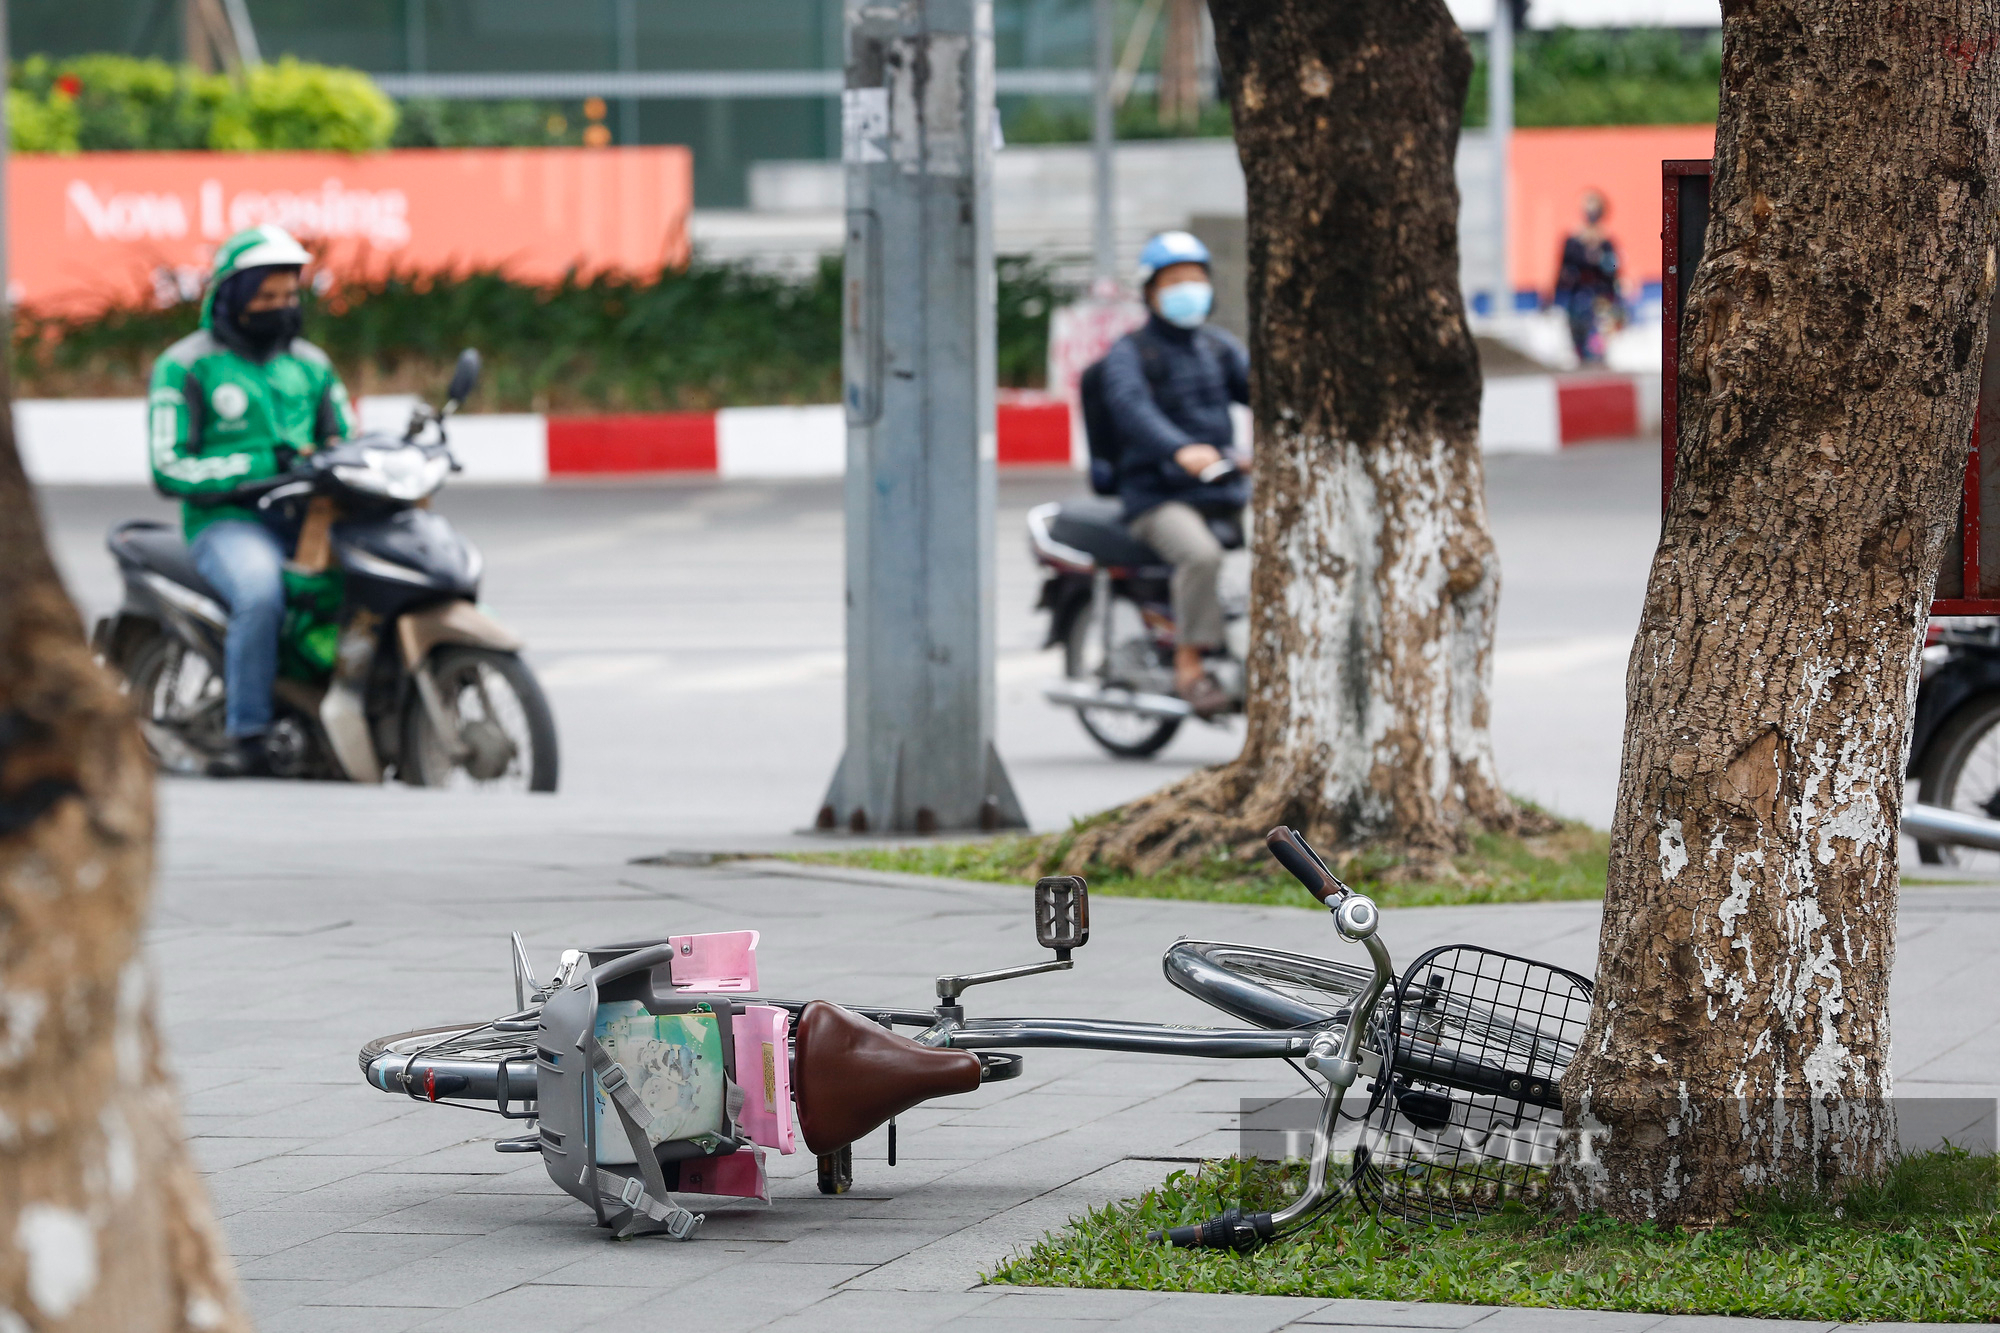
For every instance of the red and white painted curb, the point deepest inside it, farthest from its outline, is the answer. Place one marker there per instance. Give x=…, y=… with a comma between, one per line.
x=1539, y=414
x=72, y=441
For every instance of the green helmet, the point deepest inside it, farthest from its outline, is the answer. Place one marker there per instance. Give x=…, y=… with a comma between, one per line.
x=268, y=246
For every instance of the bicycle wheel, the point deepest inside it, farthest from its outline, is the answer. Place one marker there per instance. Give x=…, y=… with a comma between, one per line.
x=1962, y=772
x=1267, y=987
x=456, y=1062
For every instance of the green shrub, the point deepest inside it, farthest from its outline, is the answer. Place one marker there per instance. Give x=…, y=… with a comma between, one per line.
x=435, y=122
x=291, y=105
x=710, y=335
x=39, y=124
x=121, y=103
x=1639, y=77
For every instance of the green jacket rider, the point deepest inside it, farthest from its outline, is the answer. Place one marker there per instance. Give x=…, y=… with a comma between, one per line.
x=240, y=400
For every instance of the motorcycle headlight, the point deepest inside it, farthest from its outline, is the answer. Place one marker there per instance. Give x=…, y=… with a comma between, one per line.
x=399, y=474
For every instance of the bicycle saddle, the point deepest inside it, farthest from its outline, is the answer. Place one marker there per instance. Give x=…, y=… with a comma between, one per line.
x=851, y=1076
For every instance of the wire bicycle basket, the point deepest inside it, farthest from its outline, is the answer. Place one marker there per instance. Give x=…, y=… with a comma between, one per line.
x=1468, y=1110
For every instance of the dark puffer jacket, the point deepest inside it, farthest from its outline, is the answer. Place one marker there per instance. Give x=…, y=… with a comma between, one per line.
x=1195, y=374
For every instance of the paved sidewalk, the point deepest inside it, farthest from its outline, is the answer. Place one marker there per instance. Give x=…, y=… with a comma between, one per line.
x=350, y=1209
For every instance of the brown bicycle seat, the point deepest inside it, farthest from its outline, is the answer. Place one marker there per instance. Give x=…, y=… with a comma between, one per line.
x=852, y=1076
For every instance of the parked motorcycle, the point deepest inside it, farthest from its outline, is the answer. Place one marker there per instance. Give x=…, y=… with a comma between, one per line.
x=385, y=662
x=1110, y=609
x=1955, y=736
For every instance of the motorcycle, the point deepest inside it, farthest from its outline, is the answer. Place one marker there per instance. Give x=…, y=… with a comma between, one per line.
x=1955, y=735
x=385, y=662
x=1111, y=612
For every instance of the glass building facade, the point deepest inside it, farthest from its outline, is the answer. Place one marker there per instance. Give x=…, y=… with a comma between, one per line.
x=727, y=132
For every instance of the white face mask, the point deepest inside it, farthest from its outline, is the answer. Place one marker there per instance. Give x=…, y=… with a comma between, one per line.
x=1186, y=304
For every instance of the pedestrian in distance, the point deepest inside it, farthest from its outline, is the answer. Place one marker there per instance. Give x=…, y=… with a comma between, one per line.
x=1587, y=282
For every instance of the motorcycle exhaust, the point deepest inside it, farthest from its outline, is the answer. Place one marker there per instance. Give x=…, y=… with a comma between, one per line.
x=1950, y=828
x=1081, y=694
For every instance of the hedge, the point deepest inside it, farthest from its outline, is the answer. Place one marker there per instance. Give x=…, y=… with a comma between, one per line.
x=1644, y=76
x=711, y=335
x=97, y=103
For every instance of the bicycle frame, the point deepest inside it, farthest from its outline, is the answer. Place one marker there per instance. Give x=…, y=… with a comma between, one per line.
x=1333, y=1042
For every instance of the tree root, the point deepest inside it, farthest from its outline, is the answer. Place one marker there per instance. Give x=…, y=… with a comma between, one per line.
x=1226, y=811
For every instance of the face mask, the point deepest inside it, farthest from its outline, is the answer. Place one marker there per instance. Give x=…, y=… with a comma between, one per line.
x=1186, y=304
x=270, y=328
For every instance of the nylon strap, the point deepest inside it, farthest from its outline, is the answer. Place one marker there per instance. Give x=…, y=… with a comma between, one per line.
x=647, y=1206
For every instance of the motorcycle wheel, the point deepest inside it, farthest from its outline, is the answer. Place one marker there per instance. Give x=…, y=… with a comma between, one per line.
x=504, y=723
x=180, y=702
x=1961, y=771
x=1124, y=735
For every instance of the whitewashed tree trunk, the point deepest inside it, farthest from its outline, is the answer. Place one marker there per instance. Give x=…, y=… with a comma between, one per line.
x=1375, y=580
x=104, y=1223
x=1829, y=366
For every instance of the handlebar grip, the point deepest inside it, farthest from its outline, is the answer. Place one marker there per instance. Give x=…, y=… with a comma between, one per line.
x=1291, y=853
x=1234, y=1230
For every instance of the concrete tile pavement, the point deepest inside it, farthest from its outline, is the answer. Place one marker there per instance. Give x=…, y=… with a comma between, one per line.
x=296, y=920
x=352, y=1209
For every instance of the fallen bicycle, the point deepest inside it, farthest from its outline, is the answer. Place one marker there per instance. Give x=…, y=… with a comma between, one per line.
x=651, y=1068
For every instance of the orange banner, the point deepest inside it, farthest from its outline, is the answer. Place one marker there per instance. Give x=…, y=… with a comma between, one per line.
x=117, y=228
x=1553, y=167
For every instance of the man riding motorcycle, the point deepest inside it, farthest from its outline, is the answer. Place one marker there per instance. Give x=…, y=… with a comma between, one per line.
x=1168, y=386
x=238, y=401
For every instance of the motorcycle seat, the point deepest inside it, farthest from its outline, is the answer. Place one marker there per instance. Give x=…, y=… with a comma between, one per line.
x=157, y=547
x=851, y=1075
x=1097, y=528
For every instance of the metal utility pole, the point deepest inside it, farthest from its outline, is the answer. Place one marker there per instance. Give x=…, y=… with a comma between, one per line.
x=628, y=63
x=1103, y=146
x=1500, y=134
x=917, y=349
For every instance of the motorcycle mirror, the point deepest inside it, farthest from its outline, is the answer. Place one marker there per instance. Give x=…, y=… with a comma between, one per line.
x=464, y=377
x=1062, y=913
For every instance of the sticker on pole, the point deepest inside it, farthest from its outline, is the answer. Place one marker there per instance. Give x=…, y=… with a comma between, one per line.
x=864, y=125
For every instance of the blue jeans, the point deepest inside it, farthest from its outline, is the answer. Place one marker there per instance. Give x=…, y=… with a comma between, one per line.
x=245, y=562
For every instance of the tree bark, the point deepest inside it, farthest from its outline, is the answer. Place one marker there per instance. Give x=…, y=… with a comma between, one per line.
x=1829, y=366
x=1374, y=581
x=104, y=1222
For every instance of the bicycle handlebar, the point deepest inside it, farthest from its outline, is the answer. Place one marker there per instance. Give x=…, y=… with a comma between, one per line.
x=1294, y=854
x=1234, y=1230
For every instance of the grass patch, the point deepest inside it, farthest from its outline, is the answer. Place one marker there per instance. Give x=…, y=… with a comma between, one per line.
x=1921, y=1245
x=1498, y=868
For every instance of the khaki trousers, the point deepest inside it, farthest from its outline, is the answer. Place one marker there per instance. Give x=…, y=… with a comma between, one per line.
x=1180, y=534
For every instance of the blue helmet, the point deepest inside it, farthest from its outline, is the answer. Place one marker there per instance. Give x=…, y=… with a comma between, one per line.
x=1170, y=247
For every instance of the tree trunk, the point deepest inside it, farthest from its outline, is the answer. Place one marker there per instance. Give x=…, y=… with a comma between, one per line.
x=1375, y=580
x=1829, y=365
x=106, y=1221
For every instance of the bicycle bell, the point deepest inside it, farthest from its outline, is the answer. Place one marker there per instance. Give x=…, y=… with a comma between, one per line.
x=1356, y=917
